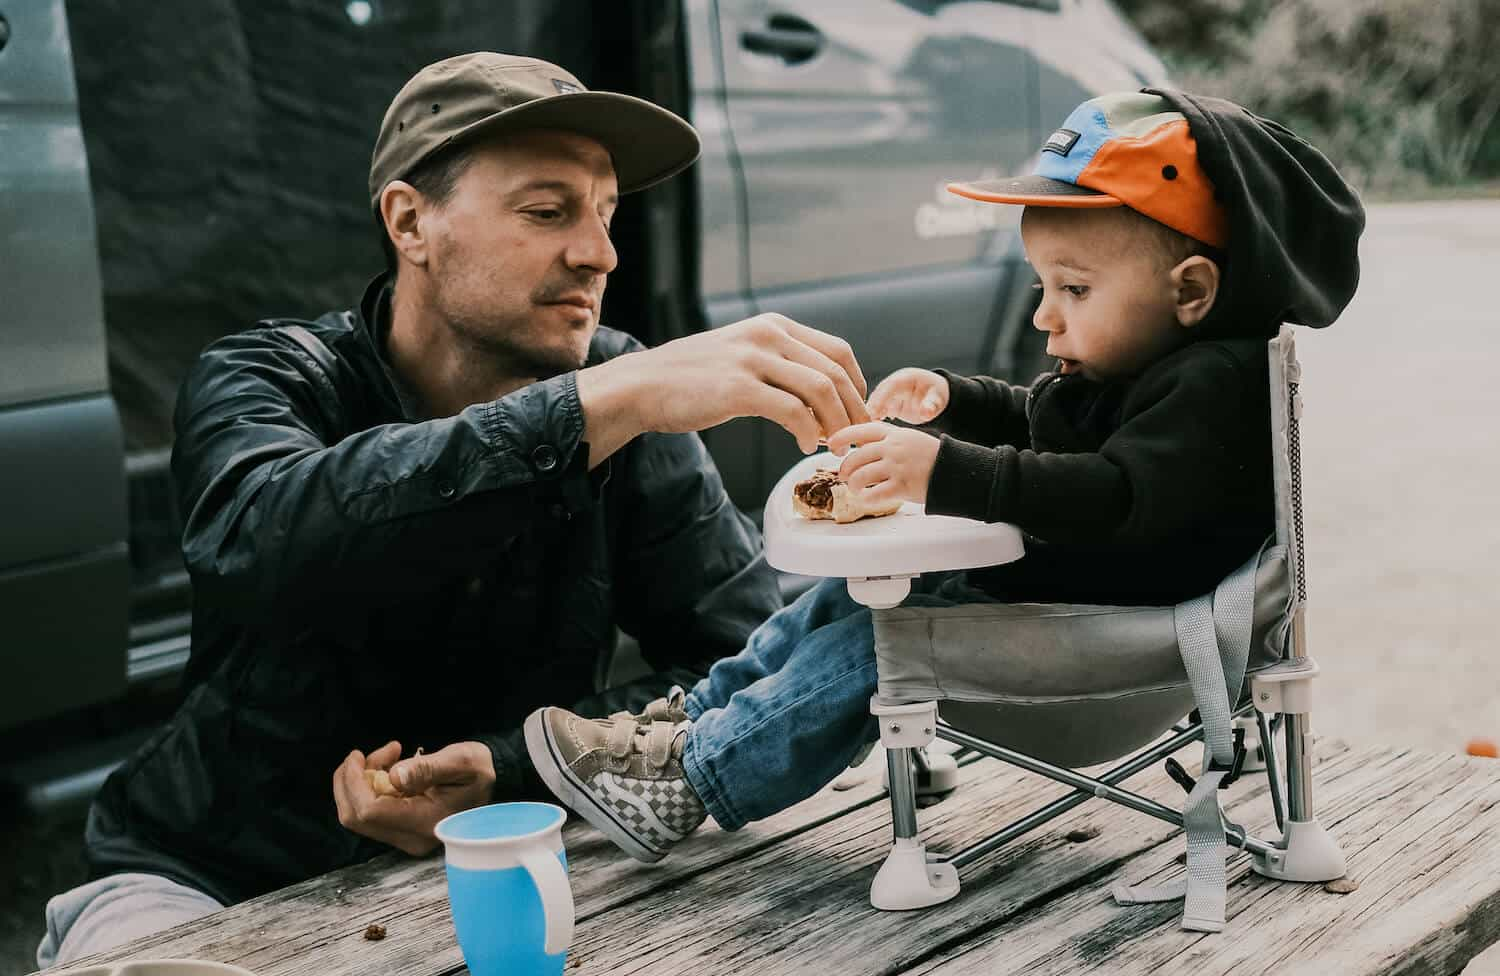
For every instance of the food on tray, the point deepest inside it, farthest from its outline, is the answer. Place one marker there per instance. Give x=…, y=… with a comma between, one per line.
x=380, y=782
x=824, y=496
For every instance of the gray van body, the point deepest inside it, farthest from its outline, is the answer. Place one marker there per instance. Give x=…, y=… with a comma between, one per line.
x=829, y=128
x=64, y=576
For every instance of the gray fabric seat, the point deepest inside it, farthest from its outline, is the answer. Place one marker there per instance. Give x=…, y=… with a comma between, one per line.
x=1070, y=684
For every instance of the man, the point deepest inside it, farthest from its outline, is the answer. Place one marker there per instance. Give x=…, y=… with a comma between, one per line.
x=413, y=522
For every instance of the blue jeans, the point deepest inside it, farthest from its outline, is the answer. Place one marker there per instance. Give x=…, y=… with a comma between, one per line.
x=779, y=720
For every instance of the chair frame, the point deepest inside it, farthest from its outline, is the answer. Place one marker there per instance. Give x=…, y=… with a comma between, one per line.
x=912, y=878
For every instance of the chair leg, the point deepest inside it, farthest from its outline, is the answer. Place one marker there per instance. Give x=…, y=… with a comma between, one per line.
x=902, y=779
x=910, y=877
x=933, y=773
x=1267, y=749
x=1307, y=852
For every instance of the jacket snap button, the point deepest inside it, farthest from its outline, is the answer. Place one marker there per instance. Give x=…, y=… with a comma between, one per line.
x=445, y=489
x=544, y=457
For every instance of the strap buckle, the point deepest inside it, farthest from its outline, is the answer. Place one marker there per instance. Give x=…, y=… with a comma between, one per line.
x=1235, y=765
x=1233, y=768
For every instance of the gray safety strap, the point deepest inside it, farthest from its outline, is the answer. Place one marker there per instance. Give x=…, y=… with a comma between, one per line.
x=1213, y=636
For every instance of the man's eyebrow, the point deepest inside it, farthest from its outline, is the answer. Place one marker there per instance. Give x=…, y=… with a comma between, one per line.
x=561, y=186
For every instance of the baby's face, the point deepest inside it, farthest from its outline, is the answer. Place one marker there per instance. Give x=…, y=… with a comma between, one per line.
x=1108, y=299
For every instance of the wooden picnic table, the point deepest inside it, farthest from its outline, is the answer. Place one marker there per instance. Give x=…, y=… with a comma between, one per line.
x=790, y=895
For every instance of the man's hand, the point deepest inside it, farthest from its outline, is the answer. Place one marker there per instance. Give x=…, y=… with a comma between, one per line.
x=767, y=366
x=889, y=464
x=914, y=395
x=433, y=785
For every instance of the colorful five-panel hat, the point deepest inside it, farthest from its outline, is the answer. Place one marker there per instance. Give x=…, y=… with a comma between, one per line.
x=1125, y=149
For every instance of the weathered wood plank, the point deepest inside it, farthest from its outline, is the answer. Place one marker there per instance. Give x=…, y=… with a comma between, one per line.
x=1419, y=831
x=803, y=904
x=793, y=893
x=317, y=926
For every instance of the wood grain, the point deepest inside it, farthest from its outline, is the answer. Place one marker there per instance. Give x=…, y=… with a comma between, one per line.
x=791, y=895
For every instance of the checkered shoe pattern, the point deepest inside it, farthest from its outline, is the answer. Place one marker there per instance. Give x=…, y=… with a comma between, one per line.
x=659, y=811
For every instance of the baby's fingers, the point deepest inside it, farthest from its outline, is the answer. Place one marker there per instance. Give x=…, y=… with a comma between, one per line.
x=897, y=406
x=857, y=434
x=926, y=409
x=883, y=402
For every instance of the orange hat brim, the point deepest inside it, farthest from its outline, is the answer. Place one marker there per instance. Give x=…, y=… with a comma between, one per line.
x=1034, y=191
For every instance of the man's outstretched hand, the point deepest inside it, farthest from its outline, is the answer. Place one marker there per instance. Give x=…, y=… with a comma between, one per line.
x=431, y=786
x=767, y=366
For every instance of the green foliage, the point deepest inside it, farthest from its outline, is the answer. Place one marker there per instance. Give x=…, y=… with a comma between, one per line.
x=1400, y=94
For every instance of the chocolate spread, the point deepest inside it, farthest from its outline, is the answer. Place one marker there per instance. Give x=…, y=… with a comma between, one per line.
x=817, y=491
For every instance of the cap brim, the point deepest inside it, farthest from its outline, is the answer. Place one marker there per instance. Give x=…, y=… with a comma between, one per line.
x=1034, y=191
x=647, y=142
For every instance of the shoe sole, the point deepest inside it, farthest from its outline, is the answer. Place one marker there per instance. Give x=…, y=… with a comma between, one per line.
x=575, y=794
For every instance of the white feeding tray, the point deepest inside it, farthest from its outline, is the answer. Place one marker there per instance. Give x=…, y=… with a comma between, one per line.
x=878, y=556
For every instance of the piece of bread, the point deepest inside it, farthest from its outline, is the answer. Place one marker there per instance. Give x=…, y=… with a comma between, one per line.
x=824, y=496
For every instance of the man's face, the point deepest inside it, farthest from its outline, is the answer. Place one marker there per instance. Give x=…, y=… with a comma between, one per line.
x=520, y=250
x=1108, y=299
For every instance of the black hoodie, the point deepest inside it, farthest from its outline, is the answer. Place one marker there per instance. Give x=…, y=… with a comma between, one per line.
x=1150, y=489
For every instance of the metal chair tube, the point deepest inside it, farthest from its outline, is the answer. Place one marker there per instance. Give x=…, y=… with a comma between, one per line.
x=903, y=793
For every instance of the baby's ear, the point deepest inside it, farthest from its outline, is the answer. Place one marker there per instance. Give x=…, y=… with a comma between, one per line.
x=1196, y=285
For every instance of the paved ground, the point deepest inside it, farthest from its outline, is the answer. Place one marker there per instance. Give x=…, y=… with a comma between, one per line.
x=1402, y=462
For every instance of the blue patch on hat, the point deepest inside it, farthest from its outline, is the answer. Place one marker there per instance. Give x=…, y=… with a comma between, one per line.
x=1093, y=132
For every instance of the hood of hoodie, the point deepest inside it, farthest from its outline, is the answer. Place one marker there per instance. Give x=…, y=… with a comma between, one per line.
x=1294, y=223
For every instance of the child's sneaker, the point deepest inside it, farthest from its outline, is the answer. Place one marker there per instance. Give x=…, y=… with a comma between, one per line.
x=669, y=709
x=623, y=777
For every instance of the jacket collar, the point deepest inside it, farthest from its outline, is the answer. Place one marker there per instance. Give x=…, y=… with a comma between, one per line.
x=372, y=320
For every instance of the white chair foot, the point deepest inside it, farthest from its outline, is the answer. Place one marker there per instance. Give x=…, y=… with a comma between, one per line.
x=1307, y=852
x=911, y=878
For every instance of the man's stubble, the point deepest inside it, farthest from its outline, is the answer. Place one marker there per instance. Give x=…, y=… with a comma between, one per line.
x=512, y=340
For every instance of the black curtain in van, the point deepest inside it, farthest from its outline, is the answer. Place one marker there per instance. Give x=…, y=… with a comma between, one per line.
x=229, y=142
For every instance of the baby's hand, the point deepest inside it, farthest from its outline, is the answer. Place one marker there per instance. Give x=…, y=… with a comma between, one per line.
x=887, y=463
x=911, y=394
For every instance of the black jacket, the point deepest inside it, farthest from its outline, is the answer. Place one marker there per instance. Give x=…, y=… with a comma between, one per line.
x=361, y=576
x=1150, y=489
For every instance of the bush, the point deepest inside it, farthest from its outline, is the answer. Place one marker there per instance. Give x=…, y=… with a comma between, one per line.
x=1400, y=94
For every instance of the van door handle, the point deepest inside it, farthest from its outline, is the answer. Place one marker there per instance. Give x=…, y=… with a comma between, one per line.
x=789, y=38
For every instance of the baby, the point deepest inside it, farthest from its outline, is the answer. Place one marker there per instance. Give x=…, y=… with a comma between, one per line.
x=1171, y=236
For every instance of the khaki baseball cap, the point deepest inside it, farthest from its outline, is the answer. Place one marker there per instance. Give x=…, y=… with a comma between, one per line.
x=483, y=93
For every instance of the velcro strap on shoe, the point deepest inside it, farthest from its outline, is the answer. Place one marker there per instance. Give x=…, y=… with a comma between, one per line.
x=659, y=744
x=621, y=732
x=666, y=709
